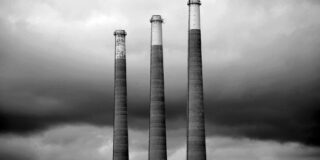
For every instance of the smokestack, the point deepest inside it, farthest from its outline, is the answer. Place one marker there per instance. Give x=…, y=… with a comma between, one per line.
x=120, y=130
x=157, y=128
x=196, y=143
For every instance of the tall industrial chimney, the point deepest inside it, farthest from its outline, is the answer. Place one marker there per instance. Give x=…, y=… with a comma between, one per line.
x=120, y=130
x=196, y=143
x=157, y=128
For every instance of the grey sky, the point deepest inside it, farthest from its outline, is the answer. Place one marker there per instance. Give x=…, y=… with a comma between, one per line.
x=260, y=58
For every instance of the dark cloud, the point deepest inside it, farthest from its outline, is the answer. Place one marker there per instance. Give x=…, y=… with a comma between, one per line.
x=16, y=150
x=260, y=66
x=276, y=96
x=55, y=104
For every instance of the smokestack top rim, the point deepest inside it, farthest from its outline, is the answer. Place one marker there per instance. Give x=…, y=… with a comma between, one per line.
x=120, y=32
x=194, y=2
x=156, y=18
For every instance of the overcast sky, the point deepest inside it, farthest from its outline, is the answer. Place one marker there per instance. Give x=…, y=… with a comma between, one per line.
x=261, y=77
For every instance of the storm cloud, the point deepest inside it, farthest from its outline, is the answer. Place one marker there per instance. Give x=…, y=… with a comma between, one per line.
x=260, y=58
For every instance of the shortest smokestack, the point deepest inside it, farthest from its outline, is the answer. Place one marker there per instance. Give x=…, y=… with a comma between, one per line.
x=120, y=128
x=157, y=128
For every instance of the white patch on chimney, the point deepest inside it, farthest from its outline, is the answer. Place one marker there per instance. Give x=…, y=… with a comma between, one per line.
x=120, y=47
x=194, y=16
x=156, y=33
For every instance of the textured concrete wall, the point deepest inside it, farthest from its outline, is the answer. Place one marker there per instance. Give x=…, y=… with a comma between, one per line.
x=120, y=131
x=196, y=147
x=157, y=132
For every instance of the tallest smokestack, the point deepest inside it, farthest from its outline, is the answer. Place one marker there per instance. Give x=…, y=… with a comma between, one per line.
x=157, y=132
x=120, y=128
x=196, y=143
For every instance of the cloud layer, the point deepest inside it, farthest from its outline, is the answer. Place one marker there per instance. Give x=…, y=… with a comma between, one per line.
x=260, y=63
x=87, y=142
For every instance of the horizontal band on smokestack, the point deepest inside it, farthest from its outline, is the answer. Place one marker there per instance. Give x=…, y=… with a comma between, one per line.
x=194, y=2
x=156, y=30
x=194, y=14
x=120, y=44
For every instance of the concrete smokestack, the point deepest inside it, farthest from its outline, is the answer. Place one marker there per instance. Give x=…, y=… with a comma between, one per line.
x=157, y=128
x=120, y=130
x=196, y=143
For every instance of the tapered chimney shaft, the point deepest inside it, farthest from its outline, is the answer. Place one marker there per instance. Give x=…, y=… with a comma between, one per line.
x=196, y=144
x=157, y=128
x=120, y=130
